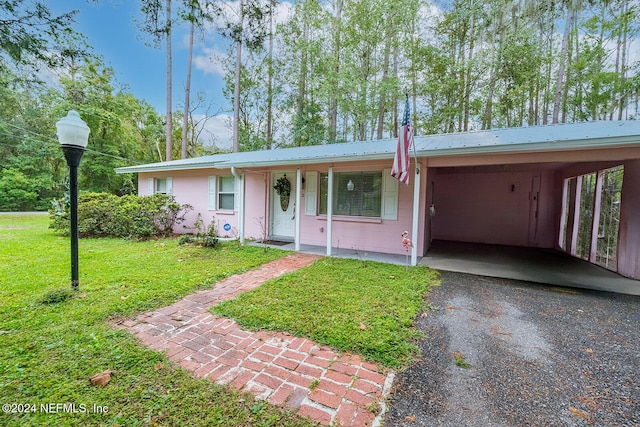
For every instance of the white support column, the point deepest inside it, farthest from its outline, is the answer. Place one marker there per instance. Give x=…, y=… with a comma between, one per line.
x=241, y=214
x=298, y=210
x=329, y=209
x=595, y=221
x=576, y=217
x=416, y=215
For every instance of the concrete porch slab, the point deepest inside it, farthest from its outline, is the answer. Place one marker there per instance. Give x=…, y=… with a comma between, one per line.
x=529, y=264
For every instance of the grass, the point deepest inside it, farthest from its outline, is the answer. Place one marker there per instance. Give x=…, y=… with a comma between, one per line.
x=351, y=305
x=460, y=360
x=52, y=342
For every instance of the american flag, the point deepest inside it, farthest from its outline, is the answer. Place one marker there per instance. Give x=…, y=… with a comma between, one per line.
x=400, y=169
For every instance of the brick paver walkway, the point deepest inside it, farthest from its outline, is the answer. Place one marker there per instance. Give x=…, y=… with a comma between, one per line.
x=293, y=372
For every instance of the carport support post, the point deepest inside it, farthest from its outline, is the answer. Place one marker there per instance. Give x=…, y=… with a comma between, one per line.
x=297, y=211
x=595, y=221
x=329, y=209
x=243, y=205
x=416, y=208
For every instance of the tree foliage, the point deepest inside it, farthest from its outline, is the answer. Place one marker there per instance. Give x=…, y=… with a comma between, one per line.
x=323, y=72
x=341, y=66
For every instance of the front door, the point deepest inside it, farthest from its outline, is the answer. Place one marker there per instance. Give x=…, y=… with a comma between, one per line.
x=283, y=213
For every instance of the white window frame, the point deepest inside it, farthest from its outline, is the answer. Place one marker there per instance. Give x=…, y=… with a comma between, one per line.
x=388, y=197
x=220, y=192
x=153, y=186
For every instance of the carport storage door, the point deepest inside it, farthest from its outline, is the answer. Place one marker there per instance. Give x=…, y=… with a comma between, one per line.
x=489, y=207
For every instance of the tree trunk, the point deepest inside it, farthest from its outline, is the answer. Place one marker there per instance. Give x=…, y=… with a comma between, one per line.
x=270, y=86
x=169, y=126
x=467, y=84
x=302, y=77
x=187, y=94
x=623, y=59
x=563, y=59
x=385, y=73
x=236, y=87
x=333, y=103
x=395, y=96
x=487, y=117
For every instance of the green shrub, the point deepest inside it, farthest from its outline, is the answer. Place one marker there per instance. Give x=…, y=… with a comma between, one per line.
x=210, y=242
x=128, y=216
x=55, y=296
x=208, y=239
x=186, y=239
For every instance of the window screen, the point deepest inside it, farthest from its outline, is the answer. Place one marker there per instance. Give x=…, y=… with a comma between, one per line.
x=354, y=193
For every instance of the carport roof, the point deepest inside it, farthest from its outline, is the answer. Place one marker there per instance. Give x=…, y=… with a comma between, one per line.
x=572, y=136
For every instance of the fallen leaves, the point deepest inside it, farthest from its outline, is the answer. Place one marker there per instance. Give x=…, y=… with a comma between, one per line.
x=578, y=413
x=101, y=379
x=410, y=418
x=592, y=403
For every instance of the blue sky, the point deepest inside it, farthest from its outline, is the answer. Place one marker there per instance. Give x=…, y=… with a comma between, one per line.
x=110, y=28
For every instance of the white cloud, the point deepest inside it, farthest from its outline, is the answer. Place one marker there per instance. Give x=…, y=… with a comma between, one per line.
x=217, y=131
x=209, y=61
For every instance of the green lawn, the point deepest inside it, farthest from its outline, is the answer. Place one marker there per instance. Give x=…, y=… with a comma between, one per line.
x=48, y=351
x=351, y=305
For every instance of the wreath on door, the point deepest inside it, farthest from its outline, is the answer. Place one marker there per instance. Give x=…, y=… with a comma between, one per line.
x=283, y=189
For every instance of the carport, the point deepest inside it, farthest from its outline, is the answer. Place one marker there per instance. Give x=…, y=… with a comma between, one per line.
x=557, y=198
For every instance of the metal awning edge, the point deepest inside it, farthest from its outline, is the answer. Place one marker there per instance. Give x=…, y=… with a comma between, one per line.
x=533, y=147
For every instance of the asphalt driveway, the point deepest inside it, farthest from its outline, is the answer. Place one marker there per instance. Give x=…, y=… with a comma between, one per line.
x=537, y=356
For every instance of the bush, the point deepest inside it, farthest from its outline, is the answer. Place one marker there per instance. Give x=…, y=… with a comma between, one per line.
x=56, y=296
x=207, y=240
x=129, y=216
x=186, y=239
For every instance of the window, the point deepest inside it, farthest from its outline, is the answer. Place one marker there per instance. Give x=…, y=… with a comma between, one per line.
x=163, y=186
x=226, y=193
x=591, y=216
x=354, y=193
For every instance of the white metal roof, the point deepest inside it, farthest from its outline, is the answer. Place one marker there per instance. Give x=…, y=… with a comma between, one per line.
x=571, y=136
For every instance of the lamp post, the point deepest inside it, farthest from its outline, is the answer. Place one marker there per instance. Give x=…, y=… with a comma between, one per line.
x=73, y=135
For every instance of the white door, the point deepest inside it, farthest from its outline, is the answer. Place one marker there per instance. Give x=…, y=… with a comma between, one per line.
x=283, y=221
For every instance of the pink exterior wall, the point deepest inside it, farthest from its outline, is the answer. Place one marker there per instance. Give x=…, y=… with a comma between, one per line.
x=629, y=239
x=494, y=207
x=363, y=234
x=192, y=187
x=256, y=209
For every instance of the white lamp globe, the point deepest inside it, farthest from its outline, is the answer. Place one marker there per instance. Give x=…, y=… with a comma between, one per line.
x=72, y=131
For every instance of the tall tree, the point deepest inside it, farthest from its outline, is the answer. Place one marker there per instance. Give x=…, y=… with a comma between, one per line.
x=157, y=22
x=197, y=13
x=249, y=29
x=169, y=131
x=572, y=11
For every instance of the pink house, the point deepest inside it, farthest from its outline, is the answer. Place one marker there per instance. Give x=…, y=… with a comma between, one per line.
x=571, y=187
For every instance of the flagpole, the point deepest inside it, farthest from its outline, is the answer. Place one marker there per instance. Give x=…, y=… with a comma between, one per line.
x=413, y=144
